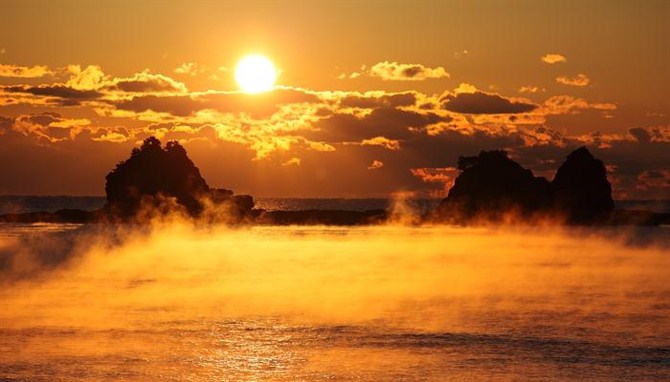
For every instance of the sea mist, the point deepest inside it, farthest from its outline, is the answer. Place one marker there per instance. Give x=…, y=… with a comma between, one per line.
x=180, y=302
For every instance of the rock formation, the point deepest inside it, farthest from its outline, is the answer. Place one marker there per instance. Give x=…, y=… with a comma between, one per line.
x=492, y=186
x=165, y=178
x=580, y=188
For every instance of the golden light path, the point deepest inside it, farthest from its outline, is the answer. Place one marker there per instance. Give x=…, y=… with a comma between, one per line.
x=255, y=74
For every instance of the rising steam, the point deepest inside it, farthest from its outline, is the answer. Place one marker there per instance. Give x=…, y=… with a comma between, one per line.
x=316, y=273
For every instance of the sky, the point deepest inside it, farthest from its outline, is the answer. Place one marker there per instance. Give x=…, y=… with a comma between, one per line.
x=372, y=98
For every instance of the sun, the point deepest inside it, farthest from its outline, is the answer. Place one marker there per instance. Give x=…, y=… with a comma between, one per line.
x=255, y=74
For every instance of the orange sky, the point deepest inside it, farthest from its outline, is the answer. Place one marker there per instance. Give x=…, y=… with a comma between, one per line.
x=373, y=97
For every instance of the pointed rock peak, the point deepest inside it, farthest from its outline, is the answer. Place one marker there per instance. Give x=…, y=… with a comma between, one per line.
x=486, y=159
x=581, y=153
x=581, y=189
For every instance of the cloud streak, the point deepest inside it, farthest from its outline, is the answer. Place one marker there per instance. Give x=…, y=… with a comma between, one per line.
x=16, y=71
x=395, y=71
x=389, y=144
x=578, y=80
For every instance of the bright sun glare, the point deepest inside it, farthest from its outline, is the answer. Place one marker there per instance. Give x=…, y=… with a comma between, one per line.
x=255, y=74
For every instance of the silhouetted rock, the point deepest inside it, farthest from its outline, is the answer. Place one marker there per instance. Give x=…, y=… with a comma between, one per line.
x=165, y=180
x=243, y=202
x=581, y=189
x=490, y=186
x=151, y=172
x=219, y=195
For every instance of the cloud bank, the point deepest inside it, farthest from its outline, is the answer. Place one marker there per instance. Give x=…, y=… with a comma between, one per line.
x=332, y=136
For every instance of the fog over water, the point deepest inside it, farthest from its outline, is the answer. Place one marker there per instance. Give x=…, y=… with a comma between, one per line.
x=388, y=303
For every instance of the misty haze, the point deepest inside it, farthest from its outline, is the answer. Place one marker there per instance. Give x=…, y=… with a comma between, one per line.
x=318, y=303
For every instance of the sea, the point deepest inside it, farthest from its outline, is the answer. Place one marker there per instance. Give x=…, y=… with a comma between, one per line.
x=174, y=301
x=21, y=203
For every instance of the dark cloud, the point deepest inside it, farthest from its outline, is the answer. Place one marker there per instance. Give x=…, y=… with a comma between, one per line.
x=65, y=96
x=653, y=174
x=484, y=103
x=257, y=105
x=366, y=101
x=640, y=134
x=43, y=119
x=175, y=105
x=443, y=150
x=146, y=86
x=632, y=158
x=391, y=123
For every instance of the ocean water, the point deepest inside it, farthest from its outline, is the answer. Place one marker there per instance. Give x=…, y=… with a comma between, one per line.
x=180, y=303
x=28, y=203
x=18, y=204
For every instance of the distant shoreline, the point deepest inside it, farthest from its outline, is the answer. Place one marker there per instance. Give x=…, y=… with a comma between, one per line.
x=655, y=205
x=314, y=217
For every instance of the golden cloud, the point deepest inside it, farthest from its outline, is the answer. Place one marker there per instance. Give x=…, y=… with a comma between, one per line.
x=465, y=87
x=15, y=71
x=578, y=80
x=375, y=165
x=553, y=58
x=49, y=126
x=265, y=137
x=189, y=68
x=446, y=176
x=390, y=144
x=394, y=71
x=111, y=136
x=295, y=161
x=529, y=89
x=89, y=78
x=564, y=104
